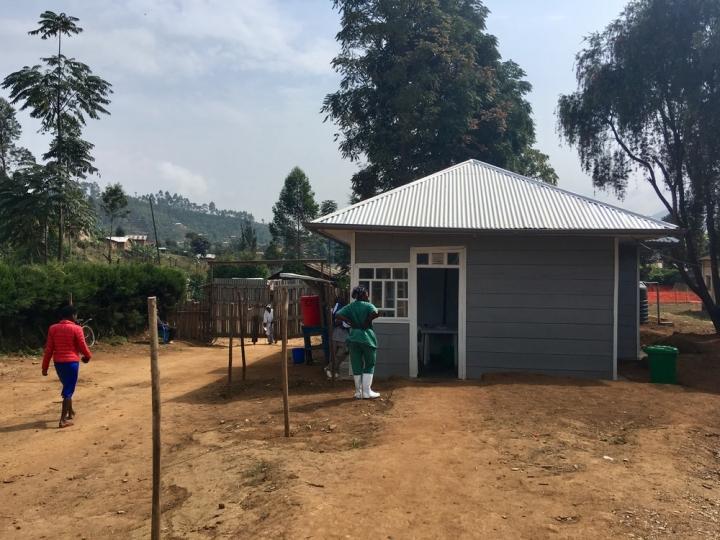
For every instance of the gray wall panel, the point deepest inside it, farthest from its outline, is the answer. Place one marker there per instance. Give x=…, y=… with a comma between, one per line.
x=627, y=303
x=541, y=304
x=393, y=355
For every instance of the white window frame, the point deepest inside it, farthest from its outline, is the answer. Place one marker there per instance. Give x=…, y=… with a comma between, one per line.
x=356, y=278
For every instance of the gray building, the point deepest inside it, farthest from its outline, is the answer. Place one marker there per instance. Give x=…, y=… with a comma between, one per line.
x=476, y=269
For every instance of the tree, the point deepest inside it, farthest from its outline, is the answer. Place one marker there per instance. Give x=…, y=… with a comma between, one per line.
x=423, y=87
x=11, y=155
x=114, y=204
x=328, y=207
x=294, y=207
x=648, y=106
x=29, y=203
x=62, y=94
x=198, y=244
x=248, y=236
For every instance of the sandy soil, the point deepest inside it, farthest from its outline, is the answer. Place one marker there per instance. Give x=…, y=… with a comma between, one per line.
x=508, y=457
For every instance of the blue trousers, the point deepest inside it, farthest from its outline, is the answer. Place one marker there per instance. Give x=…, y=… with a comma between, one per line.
x=68, y=374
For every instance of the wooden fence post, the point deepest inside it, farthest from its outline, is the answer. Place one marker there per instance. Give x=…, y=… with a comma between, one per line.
x=243, y=312
x=231, y=331
x=286, y=405
x=155, y=380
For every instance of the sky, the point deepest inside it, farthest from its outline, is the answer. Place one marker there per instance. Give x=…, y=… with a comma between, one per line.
x=219, y=99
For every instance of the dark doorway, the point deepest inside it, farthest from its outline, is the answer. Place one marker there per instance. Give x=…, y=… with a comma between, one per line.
x=437, y=301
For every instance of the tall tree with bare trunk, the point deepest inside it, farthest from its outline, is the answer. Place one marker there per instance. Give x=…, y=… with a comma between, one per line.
x=62, y=93
x=647, y=107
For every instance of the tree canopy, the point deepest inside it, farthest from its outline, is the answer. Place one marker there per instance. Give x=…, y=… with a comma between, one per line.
x=62, y=93
x=424, y=87
x=648, y=106
x=296, y=205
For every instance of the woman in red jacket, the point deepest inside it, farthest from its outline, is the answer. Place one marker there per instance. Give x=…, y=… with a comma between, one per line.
x=66, y=345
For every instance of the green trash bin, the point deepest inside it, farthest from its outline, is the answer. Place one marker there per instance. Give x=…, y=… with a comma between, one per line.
x=663, y=363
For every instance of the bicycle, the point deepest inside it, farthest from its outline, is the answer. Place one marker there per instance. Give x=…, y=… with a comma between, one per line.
x=88, y=332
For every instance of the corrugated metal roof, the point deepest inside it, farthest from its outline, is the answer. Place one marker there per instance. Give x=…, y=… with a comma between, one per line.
x=476, y=196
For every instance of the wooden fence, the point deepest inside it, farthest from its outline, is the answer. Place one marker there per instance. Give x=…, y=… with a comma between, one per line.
x=211, y=317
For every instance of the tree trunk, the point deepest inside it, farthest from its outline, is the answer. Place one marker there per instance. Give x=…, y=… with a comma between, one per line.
x=714, y=312
x=46, y=239
x=61, y=233
x=110, y=243
x=61, y=221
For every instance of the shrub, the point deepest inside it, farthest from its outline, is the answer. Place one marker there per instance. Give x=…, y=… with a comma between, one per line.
x=663, y=276
x=114, y=296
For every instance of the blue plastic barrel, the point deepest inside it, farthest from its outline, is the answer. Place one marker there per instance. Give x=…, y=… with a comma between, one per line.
x=298, y=355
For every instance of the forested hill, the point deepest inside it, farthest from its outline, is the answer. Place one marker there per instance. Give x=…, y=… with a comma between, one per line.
x=175, y=216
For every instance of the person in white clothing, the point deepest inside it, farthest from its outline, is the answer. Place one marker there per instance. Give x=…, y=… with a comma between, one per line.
x=268, y=323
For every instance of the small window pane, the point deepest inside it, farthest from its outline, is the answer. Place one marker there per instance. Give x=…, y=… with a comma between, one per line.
x=402, y=289
x=386, y=313
x=382, y=273
x=423, y=258
x=400, y=273
x=389, y=294
x=367, y=273
x=376, y=293
x=402, y=308
x=453, y=259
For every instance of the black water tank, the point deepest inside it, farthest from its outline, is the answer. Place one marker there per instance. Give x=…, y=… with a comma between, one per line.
x=644, y=307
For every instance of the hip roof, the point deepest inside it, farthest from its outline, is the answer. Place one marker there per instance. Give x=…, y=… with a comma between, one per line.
x=476, y=196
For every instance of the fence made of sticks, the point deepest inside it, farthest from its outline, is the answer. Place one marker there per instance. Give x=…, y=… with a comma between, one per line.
x=211, y=317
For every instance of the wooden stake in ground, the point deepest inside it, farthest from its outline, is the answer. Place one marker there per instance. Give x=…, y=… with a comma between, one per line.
x=243, y=311
x=286, y=404
x=230, y=348
x=330, y=303
x=155, y=380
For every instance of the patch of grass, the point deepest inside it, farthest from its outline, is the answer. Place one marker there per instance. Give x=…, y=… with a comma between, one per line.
x=115, y=341
x=356, y=443
x=258, y=472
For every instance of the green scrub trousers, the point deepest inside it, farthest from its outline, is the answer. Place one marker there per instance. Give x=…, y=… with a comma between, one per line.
x=360, y=352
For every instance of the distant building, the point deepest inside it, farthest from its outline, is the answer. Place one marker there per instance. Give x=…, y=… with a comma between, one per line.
x=125, y=243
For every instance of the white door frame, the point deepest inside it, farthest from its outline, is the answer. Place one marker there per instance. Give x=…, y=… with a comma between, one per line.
x=462, y=301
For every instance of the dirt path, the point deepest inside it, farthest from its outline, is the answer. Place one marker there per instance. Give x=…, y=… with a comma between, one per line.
x=519, y=457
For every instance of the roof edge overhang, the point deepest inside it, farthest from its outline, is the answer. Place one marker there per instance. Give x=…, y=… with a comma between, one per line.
x=326, y=230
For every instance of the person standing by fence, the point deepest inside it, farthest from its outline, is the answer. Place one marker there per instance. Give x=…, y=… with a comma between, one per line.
x=268, y=323
x=66, y=346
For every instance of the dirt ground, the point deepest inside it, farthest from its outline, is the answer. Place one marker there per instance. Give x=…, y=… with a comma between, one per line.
x=511, y=456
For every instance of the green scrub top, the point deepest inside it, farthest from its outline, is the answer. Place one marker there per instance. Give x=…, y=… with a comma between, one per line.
x=358, y=312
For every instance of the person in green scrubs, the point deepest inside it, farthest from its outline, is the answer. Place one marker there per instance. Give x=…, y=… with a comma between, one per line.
x=362, y=341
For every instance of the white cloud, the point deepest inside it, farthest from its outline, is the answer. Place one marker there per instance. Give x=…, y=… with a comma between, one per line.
x=249, y=34
x=185, y=182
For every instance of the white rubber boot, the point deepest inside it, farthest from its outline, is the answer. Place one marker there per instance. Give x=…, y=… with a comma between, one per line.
x=367, y=392
x=358, y=387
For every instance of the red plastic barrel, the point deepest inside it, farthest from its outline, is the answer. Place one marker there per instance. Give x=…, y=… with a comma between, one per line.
x=310, y=309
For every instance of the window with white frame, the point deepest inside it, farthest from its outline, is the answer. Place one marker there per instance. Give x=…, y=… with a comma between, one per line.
x=387, y=287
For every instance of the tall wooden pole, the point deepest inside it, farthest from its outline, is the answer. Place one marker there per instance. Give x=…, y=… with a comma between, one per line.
x=286, y=404
x=157, y=246
x=230, y=348
x=155, y=379
x=243, y=312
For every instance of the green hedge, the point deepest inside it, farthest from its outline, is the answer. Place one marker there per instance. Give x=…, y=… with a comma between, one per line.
x=114, y=296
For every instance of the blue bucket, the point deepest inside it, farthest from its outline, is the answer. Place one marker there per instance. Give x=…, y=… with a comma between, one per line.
x=298, y=355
